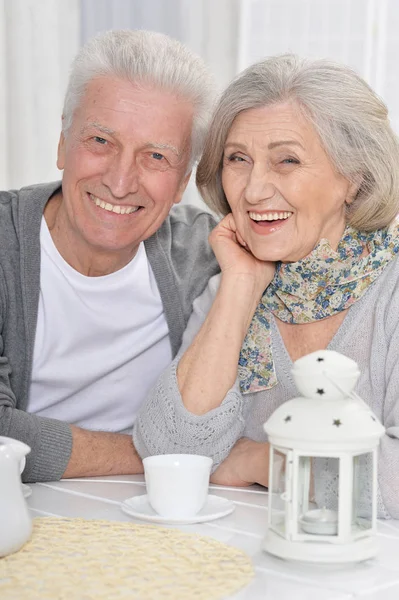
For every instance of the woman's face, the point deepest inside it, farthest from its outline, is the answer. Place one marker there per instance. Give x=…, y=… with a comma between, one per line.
x=282, y=188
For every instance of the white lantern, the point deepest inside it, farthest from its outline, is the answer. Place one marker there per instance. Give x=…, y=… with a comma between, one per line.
x=323, y=447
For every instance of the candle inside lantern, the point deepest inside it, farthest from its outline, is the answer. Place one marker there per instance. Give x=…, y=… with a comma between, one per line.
x=320, y=522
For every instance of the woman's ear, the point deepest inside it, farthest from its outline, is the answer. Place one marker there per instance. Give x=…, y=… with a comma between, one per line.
x=353, y=189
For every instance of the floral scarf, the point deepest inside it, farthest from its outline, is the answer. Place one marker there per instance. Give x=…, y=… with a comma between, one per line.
x=318, y=286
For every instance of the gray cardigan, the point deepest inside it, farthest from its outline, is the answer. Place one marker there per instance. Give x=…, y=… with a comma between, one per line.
x=182, y=263
x=369, y=335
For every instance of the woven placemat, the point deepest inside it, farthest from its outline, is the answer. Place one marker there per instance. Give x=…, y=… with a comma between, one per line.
x=78, y=559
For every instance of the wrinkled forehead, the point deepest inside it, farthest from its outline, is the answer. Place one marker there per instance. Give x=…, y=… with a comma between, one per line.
x=115, y=90
x=288, y=115
x=121, y=106
x=122, y=94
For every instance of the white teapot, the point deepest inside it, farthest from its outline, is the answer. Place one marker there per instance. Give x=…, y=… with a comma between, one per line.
x=15, y=521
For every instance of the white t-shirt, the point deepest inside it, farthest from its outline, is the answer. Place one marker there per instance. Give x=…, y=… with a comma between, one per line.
x=100, y=343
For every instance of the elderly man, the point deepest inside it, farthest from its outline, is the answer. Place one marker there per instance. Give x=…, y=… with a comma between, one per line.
x=97, y=280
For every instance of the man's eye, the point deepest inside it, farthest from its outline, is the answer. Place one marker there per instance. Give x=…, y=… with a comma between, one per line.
x=100, y=140
x=157, y=155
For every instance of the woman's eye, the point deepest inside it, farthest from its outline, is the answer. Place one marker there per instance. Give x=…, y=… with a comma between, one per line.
x=99, y=140
x=290, y=161
x=235, y=158
x=157, y=156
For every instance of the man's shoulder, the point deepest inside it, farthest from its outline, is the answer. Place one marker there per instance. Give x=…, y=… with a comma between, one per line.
x=20, y=217
x=189, y=217
x=183, y=262
x=187, y=227
x=184, y=234
x=11, y=199
x=8, y=198
x=181, y=244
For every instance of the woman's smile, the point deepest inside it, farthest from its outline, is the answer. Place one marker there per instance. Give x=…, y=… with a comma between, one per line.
x=265, y=223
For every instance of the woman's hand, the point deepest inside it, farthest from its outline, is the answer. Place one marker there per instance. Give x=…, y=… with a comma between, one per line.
x=247, y=463
x=208, y=368
x=235, y=259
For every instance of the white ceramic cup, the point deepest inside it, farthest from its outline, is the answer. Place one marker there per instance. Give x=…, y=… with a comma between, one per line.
x=177, y=484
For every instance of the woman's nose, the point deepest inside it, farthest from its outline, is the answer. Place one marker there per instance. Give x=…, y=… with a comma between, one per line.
x=260, y=185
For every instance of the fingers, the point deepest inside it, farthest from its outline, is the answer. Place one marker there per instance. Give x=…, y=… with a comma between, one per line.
x=240, y=240
x=239, y=237
x=229, y=223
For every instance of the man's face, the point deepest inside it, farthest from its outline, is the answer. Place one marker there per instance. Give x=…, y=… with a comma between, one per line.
x=125, y=160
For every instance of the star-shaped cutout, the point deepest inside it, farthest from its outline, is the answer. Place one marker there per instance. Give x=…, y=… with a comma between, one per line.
x=287, y=418
x=337, y=422
x=320, y=391
x=320, y=359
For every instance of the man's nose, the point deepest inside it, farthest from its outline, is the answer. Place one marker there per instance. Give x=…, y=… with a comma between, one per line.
x=260, y=185
x=122, y=176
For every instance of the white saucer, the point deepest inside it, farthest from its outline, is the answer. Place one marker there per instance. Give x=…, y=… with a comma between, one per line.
x=215, y=507
x=26, y=490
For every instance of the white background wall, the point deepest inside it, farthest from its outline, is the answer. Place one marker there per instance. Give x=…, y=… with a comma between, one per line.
x=38, y=39
x=360, y=33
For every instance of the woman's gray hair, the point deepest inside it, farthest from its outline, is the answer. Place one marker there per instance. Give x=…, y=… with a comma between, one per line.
x=351, y=120
x=144, y=57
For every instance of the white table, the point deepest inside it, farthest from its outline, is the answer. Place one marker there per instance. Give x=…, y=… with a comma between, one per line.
x=99, y=498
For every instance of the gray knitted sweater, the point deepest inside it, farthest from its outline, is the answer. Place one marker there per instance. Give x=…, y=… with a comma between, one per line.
x=369, y=335
x=182, y=263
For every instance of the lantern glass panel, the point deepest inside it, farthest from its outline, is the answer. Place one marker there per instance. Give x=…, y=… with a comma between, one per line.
x=304, y=484
x=279, y=470
x=278, y=496
x=325, y=482
x=316, y=496
x=362, y=491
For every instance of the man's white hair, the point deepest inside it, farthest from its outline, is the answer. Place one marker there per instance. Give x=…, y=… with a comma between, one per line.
x=144, y=57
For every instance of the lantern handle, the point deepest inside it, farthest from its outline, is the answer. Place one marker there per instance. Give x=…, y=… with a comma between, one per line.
x=352, y=394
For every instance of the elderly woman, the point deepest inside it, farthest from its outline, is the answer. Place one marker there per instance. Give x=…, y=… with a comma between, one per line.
x=302, y=160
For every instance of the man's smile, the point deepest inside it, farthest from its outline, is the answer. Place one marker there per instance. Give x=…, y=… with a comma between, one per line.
x=116, y=208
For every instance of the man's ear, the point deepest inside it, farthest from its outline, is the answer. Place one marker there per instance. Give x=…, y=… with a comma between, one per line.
x=61, y=152
x=181, y=189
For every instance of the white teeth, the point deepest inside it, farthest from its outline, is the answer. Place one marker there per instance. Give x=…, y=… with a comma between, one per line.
x=275, y=216
x=115, y=208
